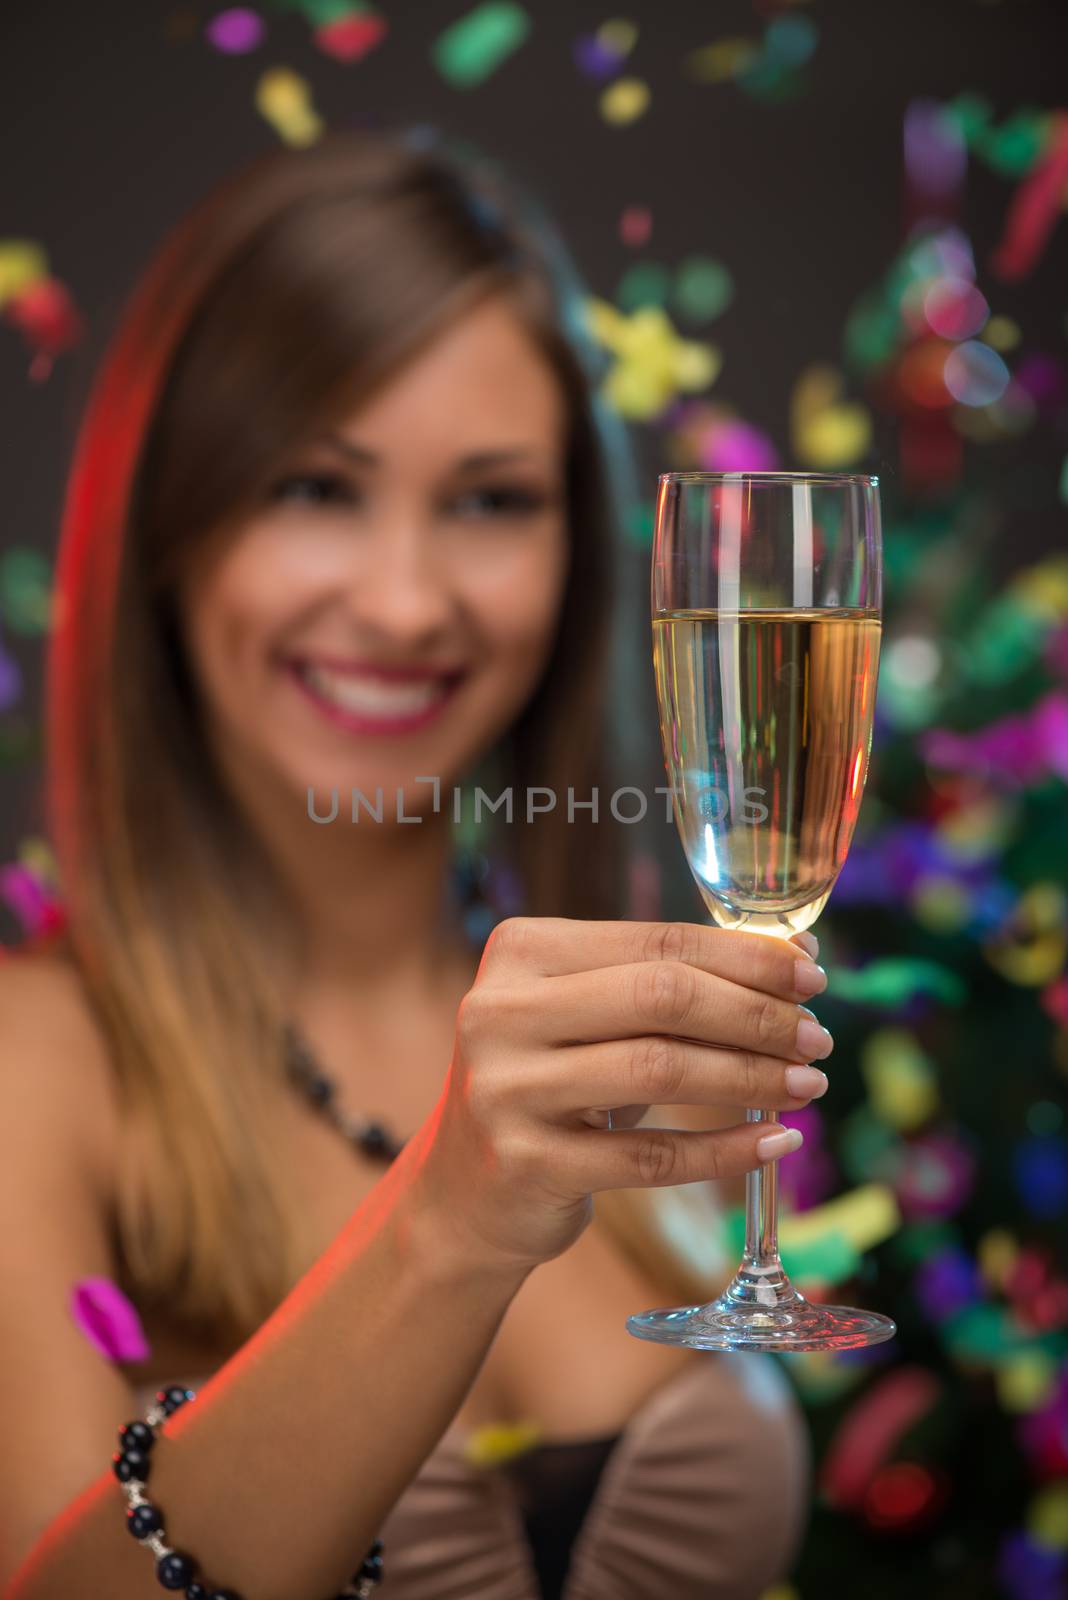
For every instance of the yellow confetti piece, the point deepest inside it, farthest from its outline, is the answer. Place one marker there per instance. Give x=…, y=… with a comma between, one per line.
x=625, y=101
x=284, y=98
x=1001, y=333
x=827, y=432
x=726, y=59
x=1047, y=1517
x=940, y=903
x=996, y=1253
x=1025, y=1381
x=1043, y=588
x=866, y=1216
x=1032, y=946
x=618, y=36
x=652, y=363
x=22, y=263
x=781, y=1591
x=979, y=829
x=500, y=1441
x=901, y=1084
x=38, y=855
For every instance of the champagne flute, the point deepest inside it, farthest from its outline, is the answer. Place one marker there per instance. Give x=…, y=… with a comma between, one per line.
x=766, y=602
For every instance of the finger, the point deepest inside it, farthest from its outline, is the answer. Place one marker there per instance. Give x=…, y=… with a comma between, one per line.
x=670, y=997
x=663, y=1071
x=552, y=946
x=653, y=1158
x=808, y=942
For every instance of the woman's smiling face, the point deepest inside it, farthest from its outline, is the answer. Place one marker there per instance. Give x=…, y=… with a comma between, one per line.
x=389, y=611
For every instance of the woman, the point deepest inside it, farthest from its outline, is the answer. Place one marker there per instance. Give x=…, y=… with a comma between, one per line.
x=339, y=523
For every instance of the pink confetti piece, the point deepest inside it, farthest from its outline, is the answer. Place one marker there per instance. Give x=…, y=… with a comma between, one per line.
x=34, y=905
x=108, y=1320
x=235, y=32
x=47, y=316
x=636, y=226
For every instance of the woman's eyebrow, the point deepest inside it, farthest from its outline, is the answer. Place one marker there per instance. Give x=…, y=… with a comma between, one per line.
x=474, y=462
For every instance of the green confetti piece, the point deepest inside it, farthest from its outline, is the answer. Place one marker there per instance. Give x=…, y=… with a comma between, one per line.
x=1015, y=147
x=1062, y=487
x=1008, y=638
x=320, y=13
x=867, y=1147
x=829, y=1259
x=989, y=1333
x=474, y=47
x=703, y=289
x=895, y=980
x=790, y=41
x=970, y=114
x=25, y=591
x=646, y=283
x=913, y=1244
x=871, y=332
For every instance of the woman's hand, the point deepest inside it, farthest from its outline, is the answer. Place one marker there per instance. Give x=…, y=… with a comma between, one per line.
x=568, y=1020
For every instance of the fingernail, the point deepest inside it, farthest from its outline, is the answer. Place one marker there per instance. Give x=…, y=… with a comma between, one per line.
x=809, y=942
x=806, y=1083
x=774, y=1145
x=808, y=978
x=813, y=1041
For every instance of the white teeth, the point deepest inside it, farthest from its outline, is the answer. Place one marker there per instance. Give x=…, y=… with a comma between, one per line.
x=373, y=697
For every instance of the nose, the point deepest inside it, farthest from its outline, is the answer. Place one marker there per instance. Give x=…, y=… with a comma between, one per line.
x=402, y=589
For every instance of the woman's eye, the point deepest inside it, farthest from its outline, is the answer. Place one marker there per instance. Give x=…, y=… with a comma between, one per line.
x=499, y=502
x=315, y=488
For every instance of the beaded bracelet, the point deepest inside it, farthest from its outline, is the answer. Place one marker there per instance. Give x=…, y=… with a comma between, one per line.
x=175, y=1570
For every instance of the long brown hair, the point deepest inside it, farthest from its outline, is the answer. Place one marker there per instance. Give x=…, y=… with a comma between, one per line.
x=273, y=309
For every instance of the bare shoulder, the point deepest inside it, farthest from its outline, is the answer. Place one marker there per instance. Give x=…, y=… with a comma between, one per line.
x=55, y=1068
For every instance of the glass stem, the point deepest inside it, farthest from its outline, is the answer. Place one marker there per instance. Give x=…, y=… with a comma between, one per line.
x=762, y=1208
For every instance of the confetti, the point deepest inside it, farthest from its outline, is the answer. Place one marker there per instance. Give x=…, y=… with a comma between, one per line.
x=974, y=374
x=644, y=284
x=726, y=59
x=235, y=32
x=34, y=903
x=108, y=1320
x=895, y=980
x=350, y=38
x=48, y=319
x=826, y=432
x=22, y=264
x=870, y=1431
x=636, y=225
x=901, y=1083
x=495, y=1442
x=1001, y=334
x=284, y=98
x=652, y=364
x=703, y=289
x=472, y=49
x=625, y=101
x=25, y=590
x=934, y=1176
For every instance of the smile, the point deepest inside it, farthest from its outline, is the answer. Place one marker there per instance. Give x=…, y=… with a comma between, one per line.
x=375, y=700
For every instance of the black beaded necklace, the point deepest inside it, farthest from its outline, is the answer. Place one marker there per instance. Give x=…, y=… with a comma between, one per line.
x=372, y=1138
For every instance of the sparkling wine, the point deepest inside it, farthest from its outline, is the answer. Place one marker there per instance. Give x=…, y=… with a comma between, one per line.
x=766, y=719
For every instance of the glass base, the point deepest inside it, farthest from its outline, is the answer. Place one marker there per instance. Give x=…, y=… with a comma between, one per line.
x=761, y=1310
